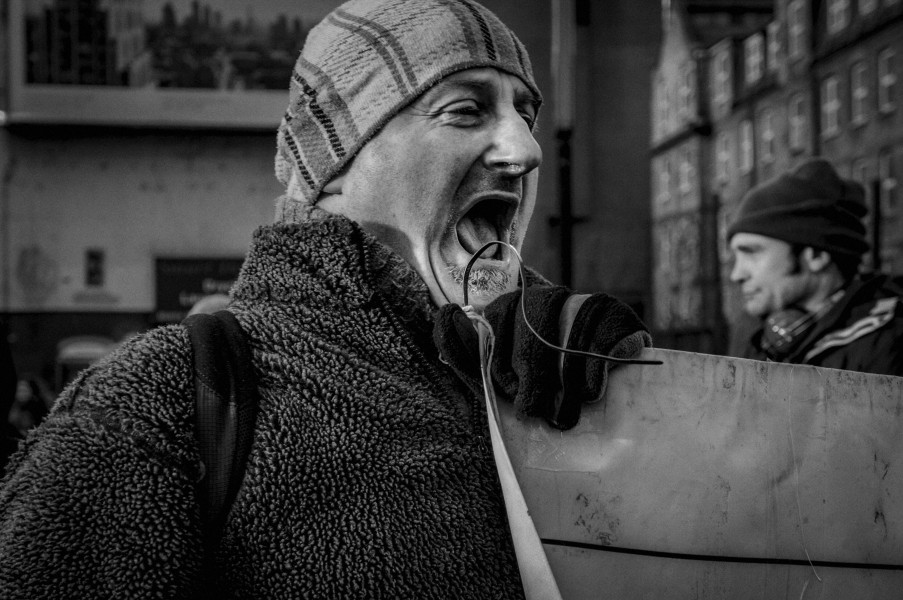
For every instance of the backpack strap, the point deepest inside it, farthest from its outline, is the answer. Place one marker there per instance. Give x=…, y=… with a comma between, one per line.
x=226, y=410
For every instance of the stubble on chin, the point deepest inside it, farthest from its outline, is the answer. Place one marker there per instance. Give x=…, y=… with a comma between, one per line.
x=484, y=281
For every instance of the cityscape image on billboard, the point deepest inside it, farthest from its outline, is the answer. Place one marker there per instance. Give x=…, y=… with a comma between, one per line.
x=212, y=44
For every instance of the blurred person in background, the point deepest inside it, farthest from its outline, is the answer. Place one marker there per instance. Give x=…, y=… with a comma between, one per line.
x=797, y=243
x=406, y=146
x=32, y=403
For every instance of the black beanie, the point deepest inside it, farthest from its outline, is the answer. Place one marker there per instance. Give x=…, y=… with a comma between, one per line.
x=810, y=206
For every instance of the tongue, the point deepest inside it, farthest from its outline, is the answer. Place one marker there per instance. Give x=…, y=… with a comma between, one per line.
x=474, y=232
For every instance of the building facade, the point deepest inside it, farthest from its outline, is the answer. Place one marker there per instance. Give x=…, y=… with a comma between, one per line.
x=787, y=80
x=687, y=291
x=857, y=62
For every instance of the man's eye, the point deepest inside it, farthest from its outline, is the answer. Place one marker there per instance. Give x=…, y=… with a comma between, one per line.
x=530, y=120
x=464, y=108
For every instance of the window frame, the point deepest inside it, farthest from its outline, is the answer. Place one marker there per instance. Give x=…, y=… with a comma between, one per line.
x=772, y=46
x=888, y=188
x=664, y=182
x=685, y=91
x=753, y=58
x=837, y=16
x=660, y=126
x=886, y=77
x=797, y=122
x=746, y=143
x=872, y=6
x=796, y=29
x=721, y=78
x=723, y=157
x=830, y=107
x=767, y=136
x=859, y=93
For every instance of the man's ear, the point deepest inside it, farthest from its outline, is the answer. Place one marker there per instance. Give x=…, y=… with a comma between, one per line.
x=816, y=260
x=335, y=184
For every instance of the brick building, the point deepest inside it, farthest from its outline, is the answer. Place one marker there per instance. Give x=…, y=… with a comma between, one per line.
x=742, y=92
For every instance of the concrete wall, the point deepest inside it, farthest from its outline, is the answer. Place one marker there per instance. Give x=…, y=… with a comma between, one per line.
x=132, y=195
x=616, y=53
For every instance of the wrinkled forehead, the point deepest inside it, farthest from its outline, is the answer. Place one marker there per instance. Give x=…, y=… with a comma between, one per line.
x=754, y=242
x=484, y=82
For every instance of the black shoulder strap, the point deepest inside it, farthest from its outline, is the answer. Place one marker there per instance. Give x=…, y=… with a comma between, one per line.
x=226, y=407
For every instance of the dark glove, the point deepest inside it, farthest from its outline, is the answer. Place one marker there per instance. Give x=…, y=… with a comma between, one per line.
x=458, y=344
x=603, y=325
x=524, y=369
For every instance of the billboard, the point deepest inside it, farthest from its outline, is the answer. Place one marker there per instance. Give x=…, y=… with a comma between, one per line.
x=159, y=63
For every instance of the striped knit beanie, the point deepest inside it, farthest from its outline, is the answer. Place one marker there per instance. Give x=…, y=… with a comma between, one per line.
x=366, y=61
x=811, y=206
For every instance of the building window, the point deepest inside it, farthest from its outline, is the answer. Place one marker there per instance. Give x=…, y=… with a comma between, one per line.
x=746, y=147
x=656, y=108
x=667, y=110
x=721, y=78
x=888, y=189
x=838, y=15
x=887, y=80
x=754, y=56
x=797, y=122
x=766, y=127
x=664, y=182
x=685, y=179
x=830, y=107
x=860, y=172
x=859, y=93
x=796, y=28
x=867, y=7
x=661, y=107
x=685, y=92
x=773, y=35
x=723, y=158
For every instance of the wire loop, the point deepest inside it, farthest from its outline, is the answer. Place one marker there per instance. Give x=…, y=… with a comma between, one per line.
x=523, y=309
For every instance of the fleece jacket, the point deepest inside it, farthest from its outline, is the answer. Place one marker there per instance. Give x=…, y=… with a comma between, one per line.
x=370, y=476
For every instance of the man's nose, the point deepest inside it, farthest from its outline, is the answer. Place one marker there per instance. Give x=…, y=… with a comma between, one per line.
x=513, y=151
x=738, y=274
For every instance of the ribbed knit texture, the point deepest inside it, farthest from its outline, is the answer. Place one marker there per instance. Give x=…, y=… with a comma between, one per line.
x=810, y=205
x=365, y=62
x=370, y=474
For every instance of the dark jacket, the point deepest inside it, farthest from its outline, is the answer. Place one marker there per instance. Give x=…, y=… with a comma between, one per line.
x=862, y=332
x=370, y=476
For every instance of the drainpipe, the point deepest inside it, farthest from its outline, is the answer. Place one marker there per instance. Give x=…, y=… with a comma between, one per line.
x=6, y=172
x=564, y=39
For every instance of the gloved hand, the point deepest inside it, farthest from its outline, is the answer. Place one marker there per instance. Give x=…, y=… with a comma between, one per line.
x=603, y=325
x=528, y=372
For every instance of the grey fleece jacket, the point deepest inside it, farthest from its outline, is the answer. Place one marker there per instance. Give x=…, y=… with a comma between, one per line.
x=370, y=475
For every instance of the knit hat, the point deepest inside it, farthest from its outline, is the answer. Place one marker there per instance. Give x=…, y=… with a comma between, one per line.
x=810, y=206
x=366, y=61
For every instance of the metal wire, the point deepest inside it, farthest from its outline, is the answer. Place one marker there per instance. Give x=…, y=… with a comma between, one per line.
x=523, y=309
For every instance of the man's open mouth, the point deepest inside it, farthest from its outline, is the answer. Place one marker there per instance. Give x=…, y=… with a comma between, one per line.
x=487, y=221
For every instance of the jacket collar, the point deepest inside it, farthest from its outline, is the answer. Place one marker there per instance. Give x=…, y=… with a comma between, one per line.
x=856, y=292
x=329, y=261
